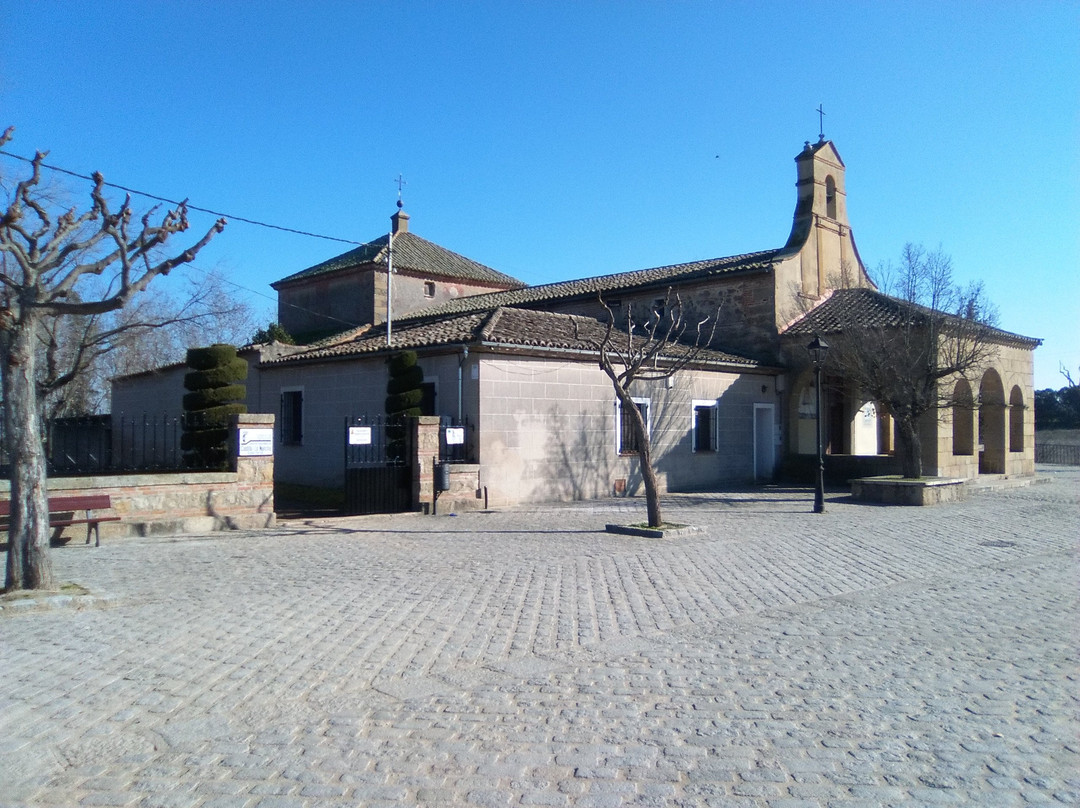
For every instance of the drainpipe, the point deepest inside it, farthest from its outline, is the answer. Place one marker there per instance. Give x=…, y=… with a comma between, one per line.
x=461, y=362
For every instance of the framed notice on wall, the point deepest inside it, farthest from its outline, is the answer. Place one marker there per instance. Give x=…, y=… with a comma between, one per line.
x=256, y=442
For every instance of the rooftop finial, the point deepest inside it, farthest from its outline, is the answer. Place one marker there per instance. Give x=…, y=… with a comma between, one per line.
x=821, y=123
x=400, y=183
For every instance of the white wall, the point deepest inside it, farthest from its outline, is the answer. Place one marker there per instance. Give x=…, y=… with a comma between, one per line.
x=547, y=429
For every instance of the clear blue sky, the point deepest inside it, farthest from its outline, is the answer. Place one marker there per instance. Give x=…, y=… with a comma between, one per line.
x=552, y=140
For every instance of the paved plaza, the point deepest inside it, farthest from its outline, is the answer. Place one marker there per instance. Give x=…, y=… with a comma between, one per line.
x=865, y=656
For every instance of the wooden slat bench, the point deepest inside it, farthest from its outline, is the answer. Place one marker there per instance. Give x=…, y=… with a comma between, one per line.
x=62, y=512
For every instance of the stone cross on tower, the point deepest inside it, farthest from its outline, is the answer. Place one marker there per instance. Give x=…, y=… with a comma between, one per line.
x=821, y=122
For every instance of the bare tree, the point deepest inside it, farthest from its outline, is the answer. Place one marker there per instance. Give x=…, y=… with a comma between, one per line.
x=1064, y=371
x=152, y=331
x=646, y=346
x=902, y=346
x=58, y=266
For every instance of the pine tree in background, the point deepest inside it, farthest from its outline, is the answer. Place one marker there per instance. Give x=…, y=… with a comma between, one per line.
x=215, y=395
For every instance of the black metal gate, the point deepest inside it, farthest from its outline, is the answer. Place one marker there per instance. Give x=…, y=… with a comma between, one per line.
x=378, y=468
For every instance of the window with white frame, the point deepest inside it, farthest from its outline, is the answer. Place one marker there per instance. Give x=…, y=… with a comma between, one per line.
x=292, y=417
x=703, y=428
x=626, y=442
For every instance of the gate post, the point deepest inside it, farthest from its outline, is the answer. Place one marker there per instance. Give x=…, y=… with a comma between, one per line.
x=425, y=453
x=252, y=449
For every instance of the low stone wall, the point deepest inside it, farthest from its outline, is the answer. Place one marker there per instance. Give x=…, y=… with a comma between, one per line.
x=464, y=493
x=186, y=502
x=161, y=504
x=898, y=491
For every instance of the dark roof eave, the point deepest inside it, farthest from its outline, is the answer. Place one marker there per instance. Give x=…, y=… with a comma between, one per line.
x=745, y=365
x=592, y=353
x=433, y=348
x=799, y=330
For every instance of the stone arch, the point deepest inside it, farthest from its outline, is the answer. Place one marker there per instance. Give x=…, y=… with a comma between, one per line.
x=1016, y=419
x=865, y=427
x=803, y=413
x=963, y=419
x=830, y=197
x=991, y=424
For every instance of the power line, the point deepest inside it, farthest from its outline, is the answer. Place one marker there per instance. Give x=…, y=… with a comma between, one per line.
x=174, y=202
x=192, y=265
x=224, y=279
x=231, y=217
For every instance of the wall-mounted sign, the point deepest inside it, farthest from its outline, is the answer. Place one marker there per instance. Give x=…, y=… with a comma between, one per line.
x=256, y=442
x=359, y=435
x=455, y=435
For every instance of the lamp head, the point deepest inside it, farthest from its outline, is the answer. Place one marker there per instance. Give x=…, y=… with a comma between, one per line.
x=818, y=350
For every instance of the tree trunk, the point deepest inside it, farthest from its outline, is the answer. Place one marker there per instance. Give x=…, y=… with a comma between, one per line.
x=909, y=447
x=28, y=563
x=652, y=494
x=648, y=474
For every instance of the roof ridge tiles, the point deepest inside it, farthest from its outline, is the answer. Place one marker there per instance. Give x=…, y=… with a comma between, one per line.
x=598, y=283
x=492, y=321
x=415, y=253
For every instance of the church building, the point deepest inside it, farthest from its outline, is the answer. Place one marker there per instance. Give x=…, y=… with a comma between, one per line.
x=513, y=364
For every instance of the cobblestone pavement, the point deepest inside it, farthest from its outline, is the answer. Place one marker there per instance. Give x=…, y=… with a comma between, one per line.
x=866, y=656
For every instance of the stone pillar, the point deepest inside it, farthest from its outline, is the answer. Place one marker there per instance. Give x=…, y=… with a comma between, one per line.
x=425, y=446
x=253, y=463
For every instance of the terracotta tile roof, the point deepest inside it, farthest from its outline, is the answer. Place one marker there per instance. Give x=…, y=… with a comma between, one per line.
x=410, y=253
x=541, y=329
x=501, y=327
x=868, y=308
x=618, y=282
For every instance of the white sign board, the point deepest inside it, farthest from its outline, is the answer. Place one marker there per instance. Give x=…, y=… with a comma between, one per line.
x=256, y=442
x=359, y=435
x=455, y=435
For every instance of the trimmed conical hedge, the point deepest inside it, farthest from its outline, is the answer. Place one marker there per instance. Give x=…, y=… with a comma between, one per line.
x=215, y=396
x=403, y=397
x=403, y=391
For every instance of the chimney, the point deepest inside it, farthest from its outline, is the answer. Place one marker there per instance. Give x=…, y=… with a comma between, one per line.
x=399, y=222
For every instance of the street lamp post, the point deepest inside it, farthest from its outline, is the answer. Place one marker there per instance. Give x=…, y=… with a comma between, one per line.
x=818, y=350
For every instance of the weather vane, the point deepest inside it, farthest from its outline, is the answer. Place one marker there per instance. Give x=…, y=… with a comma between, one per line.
x=400, y=184
x=821, y=122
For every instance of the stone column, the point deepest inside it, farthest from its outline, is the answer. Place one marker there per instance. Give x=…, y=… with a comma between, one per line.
x=254, y=468
x=425, y=454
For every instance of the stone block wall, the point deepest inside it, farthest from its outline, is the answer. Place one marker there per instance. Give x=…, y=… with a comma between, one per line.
x=743, y=306
x=187, y=502
x=1014, y=366
x=328, y=302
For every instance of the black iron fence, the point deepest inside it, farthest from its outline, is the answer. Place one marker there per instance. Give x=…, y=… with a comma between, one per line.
x=378, y=464
x=1060, y=453
x=457, y=441
x=112, y=444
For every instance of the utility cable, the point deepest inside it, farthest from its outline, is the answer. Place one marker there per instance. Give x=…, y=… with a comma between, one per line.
x=174, y=202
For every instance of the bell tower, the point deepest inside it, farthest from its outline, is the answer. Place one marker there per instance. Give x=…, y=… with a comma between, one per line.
x=820, y=232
